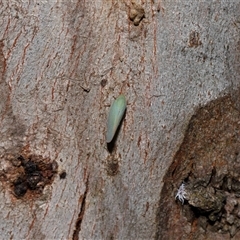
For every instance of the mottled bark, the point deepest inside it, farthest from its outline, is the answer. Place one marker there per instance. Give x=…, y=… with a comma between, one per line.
x=62, y=63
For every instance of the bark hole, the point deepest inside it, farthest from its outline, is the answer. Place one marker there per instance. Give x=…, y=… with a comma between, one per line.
x=200, y=198
x=28, y=175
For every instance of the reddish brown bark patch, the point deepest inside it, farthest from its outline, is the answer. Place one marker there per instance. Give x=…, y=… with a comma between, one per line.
x=208, y=162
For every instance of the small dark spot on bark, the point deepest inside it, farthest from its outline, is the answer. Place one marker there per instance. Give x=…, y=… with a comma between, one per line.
x=19, y=180
x=30, y=167
x=111, y=237
x=20, y=189
x=33, y=180
x=63, y=175
x=139, y=141
x=104, y=82
x=21, y=158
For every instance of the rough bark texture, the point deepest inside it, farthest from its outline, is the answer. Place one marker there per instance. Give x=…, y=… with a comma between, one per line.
x=62, y=63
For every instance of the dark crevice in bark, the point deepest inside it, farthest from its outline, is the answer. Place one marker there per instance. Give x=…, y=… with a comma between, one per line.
x=81, y=214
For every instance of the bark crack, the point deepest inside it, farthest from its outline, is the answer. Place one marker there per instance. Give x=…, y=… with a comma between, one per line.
x=81, y=214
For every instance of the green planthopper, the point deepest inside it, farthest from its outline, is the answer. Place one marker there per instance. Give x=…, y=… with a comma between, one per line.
x=115, y=116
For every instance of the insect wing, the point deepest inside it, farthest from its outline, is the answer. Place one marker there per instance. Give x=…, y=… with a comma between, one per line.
x=116, y=113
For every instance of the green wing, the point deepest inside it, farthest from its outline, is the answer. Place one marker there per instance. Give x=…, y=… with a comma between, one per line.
x=116, y=113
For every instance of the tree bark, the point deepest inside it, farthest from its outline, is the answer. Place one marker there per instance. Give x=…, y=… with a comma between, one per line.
x=62, y=64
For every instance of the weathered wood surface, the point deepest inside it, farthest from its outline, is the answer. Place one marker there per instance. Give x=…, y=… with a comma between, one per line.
x=62, y=63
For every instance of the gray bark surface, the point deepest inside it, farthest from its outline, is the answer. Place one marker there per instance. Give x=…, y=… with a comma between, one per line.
x=62, y=63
